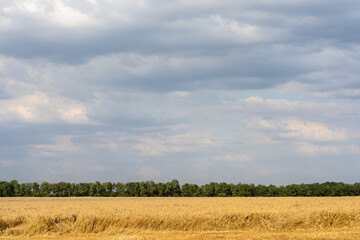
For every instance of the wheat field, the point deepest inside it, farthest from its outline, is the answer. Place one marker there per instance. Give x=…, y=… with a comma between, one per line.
x=180, y=218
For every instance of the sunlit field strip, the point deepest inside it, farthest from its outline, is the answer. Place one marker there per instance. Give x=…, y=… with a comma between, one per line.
x=180, y=218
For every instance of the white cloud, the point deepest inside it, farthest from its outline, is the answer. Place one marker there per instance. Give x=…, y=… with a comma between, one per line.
x=313, y=149
x=74, y=114
x=259, y=138
x=311, y=131
x=151, y=146
x=222, y=27
x=62, y=143
x=111, y=146
x=254, y=99
x=307, y=148
x=57, y=12
x=67, y=16
x=5, y=23
x=180, y=93
x=41, y=108
x=233, y=158
x=304, y=130
x=354, y=149
x=159, y=144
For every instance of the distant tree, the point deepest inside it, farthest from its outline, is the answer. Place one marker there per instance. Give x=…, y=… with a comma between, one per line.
x=45, y=189
x=92, y=189
x=222, y=190
x=209, y=189
x=201, y=191
x=132, y=189
x=162, y=190
x=143, y=189
x=60, y=189
x=25, y=189
x=173, y=188
x=291, y=190
x=273, y=191
x=6, y=189
x=35, y=189
x=189, y=190
x=109, y=189
x=152, y=189
x=16, y=187
x=356, y=188
x=120, y=189
x=247, y=190
x=261, y=191
x=100, y=190
x=84, y=189
x=236, y=190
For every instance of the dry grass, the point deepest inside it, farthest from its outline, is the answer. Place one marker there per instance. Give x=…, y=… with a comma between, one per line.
x=180, y=218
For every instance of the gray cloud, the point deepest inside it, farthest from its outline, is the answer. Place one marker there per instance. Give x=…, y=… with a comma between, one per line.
x=259, y=91
x=184, y=45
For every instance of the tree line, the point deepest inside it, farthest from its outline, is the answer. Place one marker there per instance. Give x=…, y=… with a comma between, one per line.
x=173, y=189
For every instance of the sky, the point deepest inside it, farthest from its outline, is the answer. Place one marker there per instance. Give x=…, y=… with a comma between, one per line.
x=264, y=92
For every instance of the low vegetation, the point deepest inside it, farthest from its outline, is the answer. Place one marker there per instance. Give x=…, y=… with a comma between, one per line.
x=173, y=189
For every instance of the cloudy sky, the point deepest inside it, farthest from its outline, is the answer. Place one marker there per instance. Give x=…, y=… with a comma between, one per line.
x=238, y=91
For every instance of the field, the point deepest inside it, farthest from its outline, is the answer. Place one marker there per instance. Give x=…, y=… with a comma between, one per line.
x=179, y=218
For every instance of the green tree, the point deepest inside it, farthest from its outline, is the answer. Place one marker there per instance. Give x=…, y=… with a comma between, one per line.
x=222, y=190
x=132, y=189
x=152, y=189
x=45, y=189
x=35, y=189
x=189, y=190
x=6, y=189
x=161, y=189
x=92, y=189
x=109, y=189
x=16, y=187
x=210, y=189
x=120, y=189
x=100, y=190
x=273, y=191
x=173, y=188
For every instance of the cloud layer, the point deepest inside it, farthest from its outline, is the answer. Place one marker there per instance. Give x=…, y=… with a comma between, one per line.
x=199, y=91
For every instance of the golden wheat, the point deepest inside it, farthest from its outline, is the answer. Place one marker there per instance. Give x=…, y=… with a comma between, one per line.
x=180, y=218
